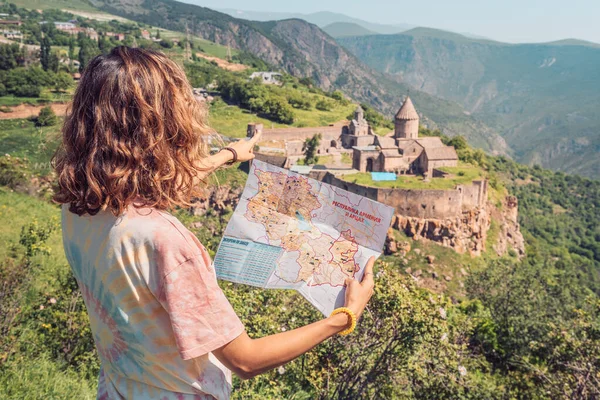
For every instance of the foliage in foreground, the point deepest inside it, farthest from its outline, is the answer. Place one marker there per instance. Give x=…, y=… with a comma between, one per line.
x=525, y=330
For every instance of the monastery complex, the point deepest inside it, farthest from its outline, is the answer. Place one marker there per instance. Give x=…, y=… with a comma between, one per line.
x=401, y=151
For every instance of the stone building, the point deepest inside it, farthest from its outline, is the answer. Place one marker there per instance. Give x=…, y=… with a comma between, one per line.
x=403, y=151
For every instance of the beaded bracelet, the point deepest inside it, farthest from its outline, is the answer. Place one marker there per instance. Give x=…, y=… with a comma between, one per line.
x=351, y=317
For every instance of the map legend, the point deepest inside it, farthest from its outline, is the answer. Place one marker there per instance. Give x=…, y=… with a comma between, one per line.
x=247, y=262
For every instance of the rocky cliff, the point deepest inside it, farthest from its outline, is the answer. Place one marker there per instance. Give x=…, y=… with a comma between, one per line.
x=467, y=233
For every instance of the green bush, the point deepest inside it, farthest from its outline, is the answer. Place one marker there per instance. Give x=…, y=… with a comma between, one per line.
x=14, y=172
x=46, y=117
x=324, y=105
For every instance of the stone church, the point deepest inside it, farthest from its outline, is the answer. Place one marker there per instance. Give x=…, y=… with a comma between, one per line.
x=401, y=151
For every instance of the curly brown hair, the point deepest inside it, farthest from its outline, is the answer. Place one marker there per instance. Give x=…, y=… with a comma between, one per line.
x=134, y=134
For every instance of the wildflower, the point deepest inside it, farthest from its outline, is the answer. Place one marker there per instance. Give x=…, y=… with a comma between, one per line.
x=281, y=370
x=462, y=370
x=442, y=312
x=52, y=300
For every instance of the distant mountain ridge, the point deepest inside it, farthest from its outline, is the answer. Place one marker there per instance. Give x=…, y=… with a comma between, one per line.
x=345, y=29
x=304, y=50
x=542, y=98
x=321, y=19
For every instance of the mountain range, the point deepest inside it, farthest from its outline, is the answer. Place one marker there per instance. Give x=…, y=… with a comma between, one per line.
x=542, y=98
x=321, y=19
x=534, y=102
x=304, y=50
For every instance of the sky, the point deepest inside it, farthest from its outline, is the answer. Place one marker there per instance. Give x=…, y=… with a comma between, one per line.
x=514, y=21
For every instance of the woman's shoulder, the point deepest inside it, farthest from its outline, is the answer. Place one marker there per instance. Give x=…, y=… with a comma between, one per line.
x=165, y=233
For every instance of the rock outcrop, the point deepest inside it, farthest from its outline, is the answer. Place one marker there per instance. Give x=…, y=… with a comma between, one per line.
x=466, y=233
x=217, y=198
x=510, y=236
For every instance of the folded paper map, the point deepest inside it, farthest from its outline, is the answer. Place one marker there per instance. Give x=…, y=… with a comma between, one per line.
x=292, y=232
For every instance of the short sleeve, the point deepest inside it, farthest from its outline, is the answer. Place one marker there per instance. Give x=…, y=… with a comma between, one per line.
x=201, y=316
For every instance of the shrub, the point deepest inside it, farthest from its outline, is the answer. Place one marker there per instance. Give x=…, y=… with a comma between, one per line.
x=14, y=172
x=324, y=105
x=47, y=117
x=27, y=91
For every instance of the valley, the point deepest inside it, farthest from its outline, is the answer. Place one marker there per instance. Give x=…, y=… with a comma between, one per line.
x=541, y=98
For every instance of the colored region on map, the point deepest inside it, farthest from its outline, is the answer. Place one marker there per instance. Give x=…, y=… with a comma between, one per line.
x=308, y=235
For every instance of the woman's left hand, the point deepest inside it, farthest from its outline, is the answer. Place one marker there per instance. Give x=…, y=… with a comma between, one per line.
x=245, y=147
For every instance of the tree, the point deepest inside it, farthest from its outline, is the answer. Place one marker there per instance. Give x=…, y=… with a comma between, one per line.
x=47, y=117
x=71, y=53
x=310, y=149
x=87, y=51
x=45, y=53
x=63, y=82
x=157, y=33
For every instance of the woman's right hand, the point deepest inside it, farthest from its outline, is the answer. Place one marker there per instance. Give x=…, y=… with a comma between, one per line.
x=358, y=294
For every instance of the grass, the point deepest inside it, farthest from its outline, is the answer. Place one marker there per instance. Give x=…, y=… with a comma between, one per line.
x=55, y=4
x=41, y=378
x=463, y=174
x=20, y=138
x=447, y=262
x=323, y=160
x=233, y=121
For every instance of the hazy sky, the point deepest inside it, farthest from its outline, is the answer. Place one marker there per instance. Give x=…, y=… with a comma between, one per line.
x=506, y=20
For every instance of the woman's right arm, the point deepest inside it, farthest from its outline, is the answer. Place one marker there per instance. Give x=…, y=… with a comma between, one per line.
x=250, y=357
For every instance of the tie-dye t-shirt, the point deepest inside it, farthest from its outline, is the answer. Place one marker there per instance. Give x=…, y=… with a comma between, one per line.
x=155, y=308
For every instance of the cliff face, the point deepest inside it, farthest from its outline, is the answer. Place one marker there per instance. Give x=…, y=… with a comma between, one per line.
x=467, y=233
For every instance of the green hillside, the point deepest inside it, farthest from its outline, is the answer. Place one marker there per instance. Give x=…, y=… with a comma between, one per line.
x=490, y=327
x=541, y=97
x=343, y=29
x=304, y=50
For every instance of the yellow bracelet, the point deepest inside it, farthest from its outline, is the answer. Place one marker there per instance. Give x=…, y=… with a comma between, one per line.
x=351, y=317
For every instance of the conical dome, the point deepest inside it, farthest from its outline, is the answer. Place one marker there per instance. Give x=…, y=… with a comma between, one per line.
x=407, y=111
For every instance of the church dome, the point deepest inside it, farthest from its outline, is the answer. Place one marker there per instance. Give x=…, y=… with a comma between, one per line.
x=407, y=111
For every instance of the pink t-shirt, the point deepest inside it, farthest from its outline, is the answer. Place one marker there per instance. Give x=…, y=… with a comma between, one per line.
x=155, y=308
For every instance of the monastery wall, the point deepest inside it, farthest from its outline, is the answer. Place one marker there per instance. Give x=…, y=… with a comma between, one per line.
x=423, y=204
x=328, y=132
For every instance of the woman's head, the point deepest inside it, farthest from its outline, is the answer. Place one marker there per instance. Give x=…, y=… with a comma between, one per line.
x=134, y=133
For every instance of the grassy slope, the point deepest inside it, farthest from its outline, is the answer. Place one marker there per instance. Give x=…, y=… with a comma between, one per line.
x=463, y=174
x=82, y=5
x=20, y=138
x=233, y=121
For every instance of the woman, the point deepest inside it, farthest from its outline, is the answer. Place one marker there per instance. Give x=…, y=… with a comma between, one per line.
x=135, y=145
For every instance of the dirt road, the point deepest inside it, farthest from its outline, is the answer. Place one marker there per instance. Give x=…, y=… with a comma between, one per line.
x=26, y=111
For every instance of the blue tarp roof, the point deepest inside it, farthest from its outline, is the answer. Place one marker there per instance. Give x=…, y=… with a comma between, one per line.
x=383, y=176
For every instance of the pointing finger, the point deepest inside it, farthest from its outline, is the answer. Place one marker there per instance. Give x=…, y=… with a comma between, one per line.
x=256, y=138
x=368, y=276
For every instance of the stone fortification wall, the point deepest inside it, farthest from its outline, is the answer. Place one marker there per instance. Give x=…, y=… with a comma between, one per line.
x=328, y=132
x=273, y=159
x=438, y=204
x=474, y=195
